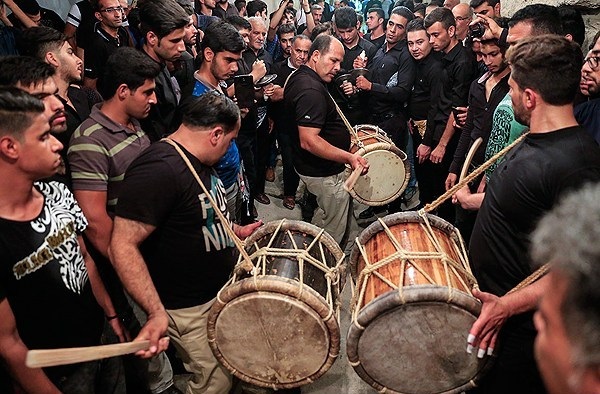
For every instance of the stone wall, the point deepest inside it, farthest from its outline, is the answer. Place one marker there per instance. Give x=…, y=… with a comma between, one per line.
x=590, y=9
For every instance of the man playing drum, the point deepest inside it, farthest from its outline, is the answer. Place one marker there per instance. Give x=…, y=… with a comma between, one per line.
x=169, y=247
x=556, y=156
x=319, y=137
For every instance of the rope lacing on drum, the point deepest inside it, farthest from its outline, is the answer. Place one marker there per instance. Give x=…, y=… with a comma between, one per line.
x=302, y=255
x=410, y=257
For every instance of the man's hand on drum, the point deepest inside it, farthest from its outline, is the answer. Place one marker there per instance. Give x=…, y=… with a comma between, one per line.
x=423, y=152
x=363, y=83
x=245, y=231
x=155, y=330
x=437, y=155
x=357, y=160
x=484, y=332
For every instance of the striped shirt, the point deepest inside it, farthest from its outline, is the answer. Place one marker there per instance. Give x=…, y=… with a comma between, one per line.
x=100, y=152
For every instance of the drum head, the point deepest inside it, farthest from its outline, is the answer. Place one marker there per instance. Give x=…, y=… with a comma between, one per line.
x=387, y=178
x=416, y=344
x=273, y=333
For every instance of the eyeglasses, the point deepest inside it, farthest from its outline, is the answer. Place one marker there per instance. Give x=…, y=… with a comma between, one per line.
x=593, y=62
x=462, y=18
x=112, y=10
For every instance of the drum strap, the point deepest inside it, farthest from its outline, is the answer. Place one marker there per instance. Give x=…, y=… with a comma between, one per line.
x=478, y=171
x=247, y=265
x=353, y=132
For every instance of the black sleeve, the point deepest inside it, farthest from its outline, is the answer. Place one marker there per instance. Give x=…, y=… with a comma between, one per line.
x=148, y=192
x=465, y=138
x=465, y=73
x=405, y=76
x=310, y=108
x=95, y=60
x=435, y=89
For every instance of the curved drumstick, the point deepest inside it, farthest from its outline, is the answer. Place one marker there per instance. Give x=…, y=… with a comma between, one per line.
x=349, y=184
x=62, y=356
x=469, y=158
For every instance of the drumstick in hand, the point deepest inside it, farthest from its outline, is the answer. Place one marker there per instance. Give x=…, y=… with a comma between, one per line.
x=53, y=357
x=349, y=184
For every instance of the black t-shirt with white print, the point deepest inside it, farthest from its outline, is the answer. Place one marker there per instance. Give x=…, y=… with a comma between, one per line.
x=189, y=255
x=44, y=278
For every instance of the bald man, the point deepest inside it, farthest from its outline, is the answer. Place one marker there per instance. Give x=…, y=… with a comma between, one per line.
x=463, y=15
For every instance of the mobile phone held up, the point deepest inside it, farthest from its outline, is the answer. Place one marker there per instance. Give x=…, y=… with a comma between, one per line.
x=244, y=90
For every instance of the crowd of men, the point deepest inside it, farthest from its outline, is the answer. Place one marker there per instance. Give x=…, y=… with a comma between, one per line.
x=128, y=156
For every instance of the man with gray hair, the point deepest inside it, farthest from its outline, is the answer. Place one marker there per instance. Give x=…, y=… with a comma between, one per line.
x=567, y=348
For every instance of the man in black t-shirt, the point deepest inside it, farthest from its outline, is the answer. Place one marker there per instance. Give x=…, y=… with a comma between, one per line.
x=169, y=247
x=50, y=290
x=556, y=156
x=319, y=137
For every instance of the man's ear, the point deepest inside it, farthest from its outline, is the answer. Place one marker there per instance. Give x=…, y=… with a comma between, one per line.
x=98, y=16
x=9, y=147
x=51, y=59
x=530, y=99
x=216, y=134
x=122, y=92
x=151, y=38
x=452, y=31
x=208, y=54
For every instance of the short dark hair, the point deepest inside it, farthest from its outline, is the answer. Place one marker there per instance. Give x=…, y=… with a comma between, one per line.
x=548, y=64
x=378, y=10
x=17, y=110
x=572, y=22
x=345, y=18
x=255, y=6
x=239, y=4
x=30, y=7
x=39, y=40
x=222, y=36
x=442, y=15
x=161, y=17
x=126, y=66
x=439, y=3
x=404, y=12
x=595, y=39
x=238, y=22
x=187, y=6
x=285, y=29
x=477, y=3
x=544, y=19
x=211, y=109
x=24, y=70
x=415, y=25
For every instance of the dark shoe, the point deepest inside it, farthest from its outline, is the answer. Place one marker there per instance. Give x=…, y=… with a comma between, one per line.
x=262, y=198
x=270, y=174
x=289, y=202
x=254, y=212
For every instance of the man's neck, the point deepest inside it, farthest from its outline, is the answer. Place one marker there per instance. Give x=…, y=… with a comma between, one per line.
x=113, y=110
x=150, y=52
x=223, y=6
x=548, y=118
x=208, y=77
x=204, y=10
x=191, y=142
x=377, y=32
x=389, y=46
x=63, y=88
x=18, y=197
x=355, y=43
x=453, y=43
x=112, y=31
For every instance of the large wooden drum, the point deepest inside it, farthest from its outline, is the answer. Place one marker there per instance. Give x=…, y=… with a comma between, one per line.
x=389, y=170
x=413, y=308
x=278, y=326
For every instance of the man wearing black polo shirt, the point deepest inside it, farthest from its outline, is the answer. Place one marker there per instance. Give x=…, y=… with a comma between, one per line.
x=109, y=34
x=375, y=24
x=319, y=137
x=440, y=140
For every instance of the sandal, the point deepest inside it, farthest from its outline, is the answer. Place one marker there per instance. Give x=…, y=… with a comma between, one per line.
x=289, y=202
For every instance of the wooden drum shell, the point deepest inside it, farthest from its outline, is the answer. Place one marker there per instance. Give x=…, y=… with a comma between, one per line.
x=411, y=321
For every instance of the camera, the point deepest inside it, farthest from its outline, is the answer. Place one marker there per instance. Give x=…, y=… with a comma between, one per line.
x=477, y=30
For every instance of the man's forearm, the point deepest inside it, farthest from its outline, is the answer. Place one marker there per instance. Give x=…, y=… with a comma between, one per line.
x=448, y=132
x=527, y=298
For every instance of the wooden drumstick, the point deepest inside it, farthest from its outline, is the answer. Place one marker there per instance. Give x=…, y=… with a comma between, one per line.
x=349, y=184
x=53, y=357
x=469, y=158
